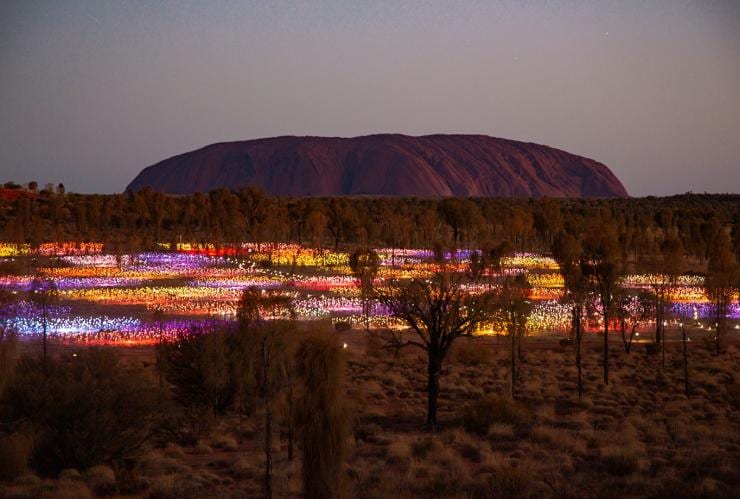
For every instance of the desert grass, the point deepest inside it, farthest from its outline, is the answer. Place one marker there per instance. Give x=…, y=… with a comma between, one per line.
x=639, y=436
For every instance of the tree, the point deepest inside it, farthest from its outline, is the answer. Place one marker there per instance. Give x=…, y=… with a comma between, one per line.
x=196, y=364
x=721, y=283
x=602, y=266
x=514, y=310
x=158, y=316
x=322, y=414
x=631, y=311
x=8, y=339
x=364, y=264
x=685, y=351
x=568, y=252
x=494, y=255
x=663, y=270
x=273, y=347
x=43, y=292
x=438, y=311
x=476, y=266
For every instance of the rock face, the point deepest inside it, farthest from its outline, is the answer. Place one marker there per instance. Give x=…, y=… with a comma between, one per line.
x=392, y=165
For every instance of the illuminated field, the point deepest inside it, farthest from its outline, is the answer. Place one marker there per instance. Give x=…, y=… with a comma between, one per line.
x=113, y=299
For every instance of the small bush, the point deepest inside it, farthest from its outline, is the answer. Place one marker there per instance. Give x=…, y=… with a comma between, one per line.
x=15, y=452
x=471, y=353
x=619, y=460
x=559, y=439
x=422, y=447
x=101, y=480
x=733, y=393
x=225, y=442
x=198, y=365
x=505, y=481
x=480, y=415
x=341, y=326
x=67, y=489
x=398, y=454
x=501, y=431
x=70, y=474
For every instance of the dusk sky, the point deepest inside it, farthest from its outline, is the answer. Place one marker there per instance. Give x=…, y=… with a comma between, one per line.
x=92, y=92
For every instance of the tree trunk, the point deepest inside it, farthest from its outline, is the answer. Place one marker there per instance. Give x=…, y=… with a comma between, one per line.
x=685, y=361
x=578, y=353
x=662, y=346
x=290, y=421
x=434, y=371
x=606, y=346
x=268, y=420
x=658, y=318
x=512, y=384
x=44, y=337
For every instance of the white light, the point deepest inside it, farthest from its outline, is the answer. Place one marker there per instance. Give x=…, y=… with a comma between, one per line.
x=344, y=345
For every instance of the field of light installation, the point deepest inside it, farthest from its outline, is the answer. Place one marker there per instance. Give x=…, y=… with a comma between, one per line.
x=143, y=298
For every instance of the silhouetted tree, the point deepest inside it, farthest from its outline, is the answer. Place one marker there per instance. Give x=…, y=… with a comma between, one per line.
x=514, y=307
x=438, y=311
x=568, y=252
x=364, y=264
x=602, y=266
x=43, y=292
x=722, y=281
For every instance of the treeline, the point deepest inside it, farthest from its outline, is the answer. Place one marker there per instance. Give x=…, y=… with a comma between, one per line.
x=135, y=221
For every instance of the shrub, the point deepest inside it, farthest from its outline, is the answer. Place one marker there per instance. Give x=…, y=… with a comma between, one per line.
x=505, y=481
x=423, y=447
x=322, y=415
x=197, y=364
x=471, y=353
x=101, y=480
x=83, y=410
x=478, y=416
x=559, y=439
x=341, y=326
x=733, y=393
x=15, y=452
x=8, y=354
x=184, y=425
x=500, y=431
x=398, y=454
x=619, y=460
x=70, y=474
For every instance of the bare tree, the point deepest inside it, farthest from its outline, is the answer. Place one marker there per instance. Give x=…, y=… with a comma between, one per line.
x=602, y=266
x=514, y=308
x=722, y=281
x=663, y=271
x=631, y=311
x=364, y=264
x=43, y=293
x=684, y=341
x=438, y=311
x=568, y=252
x=272, y=342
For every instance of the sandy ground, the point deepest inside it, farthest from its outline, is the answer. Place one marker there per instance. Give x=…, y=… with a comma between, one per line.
x=638, y=436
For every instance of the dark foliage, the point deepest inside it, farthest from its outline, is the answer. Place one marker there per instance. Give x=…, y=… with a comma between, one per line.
x=80, y=409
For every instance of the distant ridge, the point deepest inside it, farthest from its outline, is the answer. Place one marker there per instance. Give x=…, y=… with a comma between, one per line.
x=387, y=164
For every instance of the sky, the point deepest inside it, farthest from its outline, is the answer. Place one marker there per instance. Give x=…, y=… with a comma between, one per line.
x=91, y=92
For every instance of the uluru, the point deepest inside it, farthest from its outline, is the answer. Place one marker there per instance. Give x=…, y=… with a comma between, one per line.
x=384, y=165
